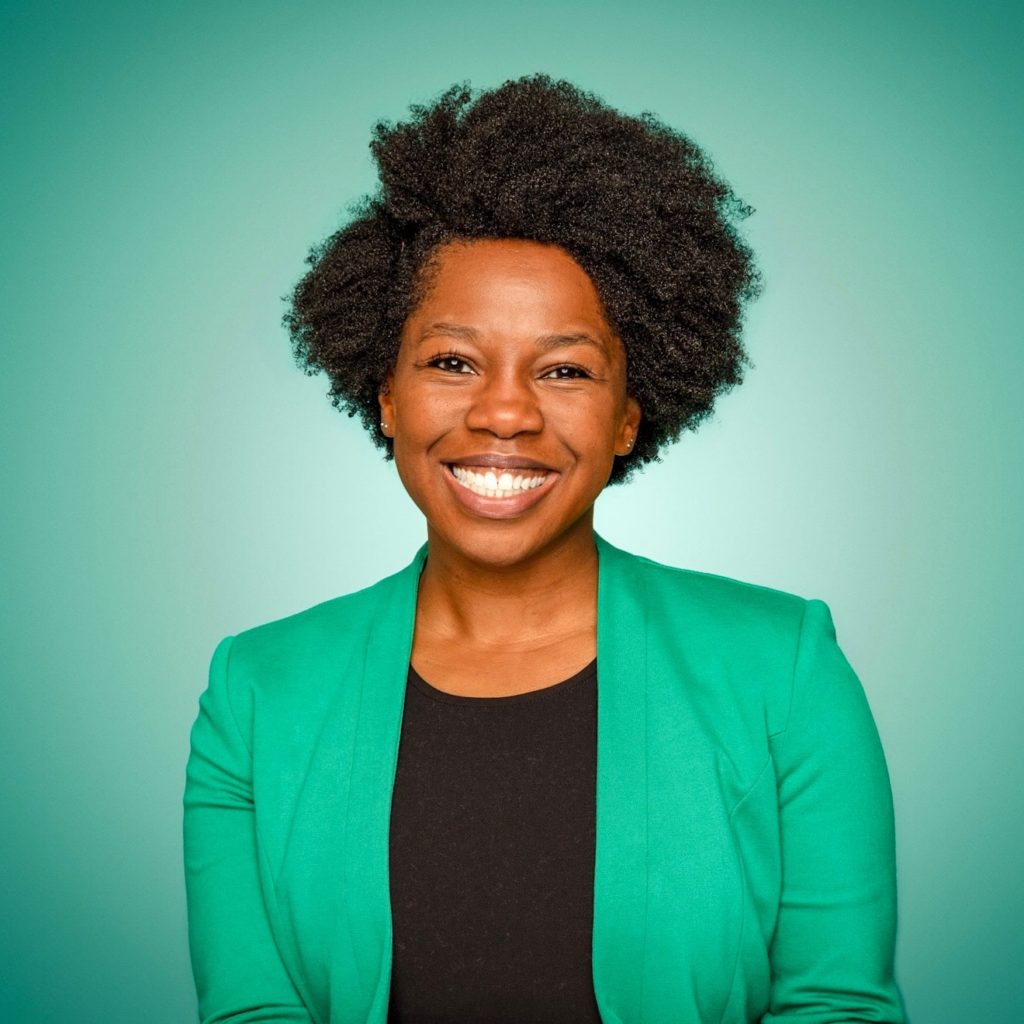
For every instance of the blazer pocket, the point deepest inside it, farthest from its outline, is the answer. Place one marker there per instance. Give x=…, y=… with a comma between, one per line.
x=754, y=822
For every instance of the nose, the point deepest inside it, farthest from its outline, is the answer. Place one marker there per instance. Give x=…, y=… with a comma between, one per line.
x=504, y=405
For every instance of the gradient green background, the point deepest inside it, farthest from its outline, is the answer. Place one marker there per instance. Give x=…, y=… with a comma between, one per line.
x=169, y=477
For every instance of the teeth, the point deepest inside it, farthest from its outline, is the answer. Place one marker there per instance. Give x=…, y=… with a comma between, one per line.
x=490, y=485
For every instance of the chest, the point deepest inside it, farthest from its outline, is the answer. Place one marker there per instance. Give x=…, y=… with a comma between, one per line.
x=492, y=855
x=683, y=890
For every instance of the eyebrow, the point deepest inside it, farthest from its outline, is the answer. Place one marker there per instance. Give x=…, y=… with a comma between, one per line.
x=546, y=341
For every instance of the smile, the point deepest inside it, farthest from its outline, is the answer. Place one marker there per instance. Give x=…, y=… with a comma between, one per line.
x=497, y=493
x=489, y=484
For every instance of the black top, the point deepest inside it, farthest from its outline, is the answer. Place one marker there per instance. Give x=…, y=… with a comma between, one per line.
x=492, y=856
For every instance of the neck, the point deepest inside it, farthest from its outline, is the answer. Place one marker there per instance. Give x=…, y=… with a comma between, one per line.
x=549, y=595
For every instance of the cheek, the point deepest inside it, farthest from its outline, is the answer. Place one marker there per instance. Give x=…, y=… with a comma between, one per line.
x=421, y=422
x=590, y=427
x=427, y=419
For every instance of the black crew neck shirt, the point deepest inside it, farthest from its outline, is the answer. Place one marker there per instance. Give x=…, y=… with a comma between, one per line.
x=492, y=856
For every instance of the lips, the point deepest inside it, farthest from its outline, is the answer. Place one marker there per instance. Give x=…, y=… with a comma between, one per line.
x=499, y=463
x=499, y=491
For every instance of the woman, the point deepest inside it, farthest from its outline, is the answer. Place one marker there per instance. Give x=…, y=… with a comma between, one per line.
x=532, y=777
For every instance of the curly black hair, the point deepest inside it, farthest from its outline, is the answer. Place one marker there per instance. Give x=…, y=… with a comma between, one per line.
x=637, y=204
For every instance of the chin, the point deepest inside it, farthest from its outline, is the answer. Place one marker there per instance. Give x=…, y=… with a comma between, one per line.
x=499, y=544
x=493, y=545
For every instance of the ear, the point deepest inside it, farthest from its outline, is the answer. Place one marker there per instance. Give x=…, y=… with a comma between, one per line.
x=625, y=437
x=387, y=405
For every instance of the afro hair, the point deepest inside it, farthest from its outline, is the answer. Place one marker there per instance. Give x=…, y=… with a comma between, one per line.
x=637, y=204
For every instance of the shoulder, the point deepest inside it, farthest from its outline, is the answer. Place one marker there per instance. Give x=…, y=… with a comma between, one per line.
x=717, y=602
x=743, y=645
x=302, y=652
x=333, y=620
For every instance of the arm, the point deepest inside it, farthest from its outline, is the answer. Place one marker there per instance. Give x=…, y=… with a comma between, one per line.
x=238, y=971
x=833, y=949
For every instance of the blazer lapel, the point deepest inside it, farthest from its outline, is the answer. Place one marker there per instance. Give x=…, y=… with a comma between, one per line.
x=374, y=763
x=620, y=881
x=340, y=905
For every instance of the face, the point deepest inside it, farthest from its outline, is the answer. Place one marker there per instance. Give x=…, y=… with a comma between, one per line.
x=508, y=402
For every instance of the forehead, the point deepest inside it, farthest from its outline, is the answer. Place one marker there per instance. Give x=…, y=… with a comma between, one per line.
x=496, y=281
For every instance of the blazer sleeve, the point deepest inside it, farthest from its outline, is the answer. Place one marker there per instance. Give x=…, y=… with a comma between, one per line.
x=239, y=974
x=832, y=953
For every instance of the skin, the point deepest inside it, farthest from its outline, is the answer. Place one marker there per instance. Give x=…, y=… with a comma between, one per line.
x=508, y=354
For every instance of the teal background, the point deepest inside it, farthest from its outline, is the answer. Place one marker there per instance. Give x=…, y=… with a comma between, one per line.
x=169, y=477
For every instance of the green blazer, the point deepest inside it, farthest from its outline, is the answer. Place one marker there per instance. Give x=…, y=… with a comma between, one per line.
x=744, y=861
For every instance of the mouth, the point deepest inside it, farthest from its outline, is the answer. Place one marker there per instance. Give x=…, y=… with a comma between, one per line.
x=503, y=484
x=499, y=492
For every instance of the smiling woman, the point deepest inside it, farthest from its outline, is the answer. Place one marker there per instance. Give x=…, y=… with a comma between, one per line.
x=532, y=777
x=508, y=364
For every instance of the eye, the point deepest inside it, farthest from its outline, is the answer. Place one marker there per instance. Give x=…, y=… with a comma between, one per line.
x=566, y=372
x=450, y=362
